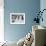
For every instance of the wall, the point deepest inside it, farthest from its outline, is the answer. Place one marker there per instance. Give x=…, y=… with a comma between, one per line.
x=1, y=21
x=43, y=6
x=29, y=7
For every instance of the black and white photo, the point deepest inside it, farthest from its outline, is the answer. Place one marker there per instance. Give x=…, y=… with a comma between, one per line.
x=17, y=18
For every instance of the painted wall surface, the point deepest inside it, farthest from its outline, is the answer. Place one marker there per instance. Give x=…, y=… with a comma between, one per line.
x=29, y=7
x=43, y=6
x=1, y=21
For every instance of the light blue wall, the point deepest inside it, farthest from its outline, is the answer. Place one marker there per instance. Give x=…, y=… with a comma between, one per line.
x=43, y=6
x=29, y=7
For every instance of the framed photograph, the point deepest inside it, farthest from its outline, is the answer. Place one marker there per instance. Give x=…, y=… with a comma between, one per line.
x=17, y=18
